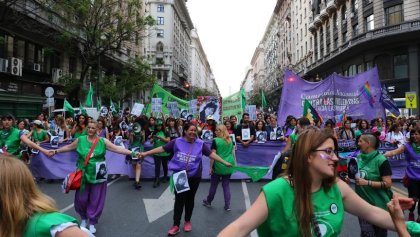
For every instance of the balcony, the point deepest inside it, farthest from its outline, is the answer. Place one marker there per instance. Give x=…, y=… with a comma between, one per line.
x=323, y=14
x=317, y=21
x=338, y=3
x=331, y=7
x=312, y=28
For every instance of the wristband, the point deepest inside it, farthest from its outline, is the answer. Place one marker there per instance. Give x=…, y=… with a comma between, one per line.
x=369, y=183
x=55, y=152
x=133, y=154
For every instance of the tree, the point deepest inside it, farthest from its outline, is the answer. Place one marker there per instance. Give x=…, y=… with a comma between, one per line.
x=136, y=76
x=99, y=28
x=201, y=92
x=255, y=99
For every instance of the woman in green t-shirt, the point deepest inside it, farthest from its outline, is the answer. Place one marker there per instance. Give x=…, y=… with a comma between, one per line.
x=26, y=211
x=309, y=200
x=159, y=138
x=222, y=145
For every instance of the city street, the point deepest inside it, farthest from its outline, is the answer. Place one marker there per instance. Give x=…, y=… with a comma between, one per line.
x=126, y=214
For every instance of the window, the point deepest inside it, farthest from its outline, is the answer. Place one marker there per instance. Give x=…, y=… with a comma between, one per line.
x=159, y=33
x=369, y=23
x=160, y=8
x=355, y=30
x=368, y=65
x=160, y=20
x=393, y=15
x=352, y=70
x=400, y=66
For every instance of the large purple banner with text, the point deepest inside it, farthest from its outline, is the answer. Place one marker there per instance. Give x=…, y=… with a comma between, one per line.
x=331, y=96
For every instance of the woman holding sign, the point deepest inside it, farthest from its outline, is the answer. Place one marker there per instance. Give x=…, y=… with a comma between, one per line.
x=188, y=152
x=411, y=151
x=89, y=200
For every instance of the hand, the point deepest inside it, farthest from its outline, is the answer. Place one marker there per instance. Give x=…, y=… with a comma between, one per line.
x=50, y=153
x=227, y=164
x=211, y=171
x=405, y=203
x=397, y=216
x=138, y=154
x=361, y=182
x=387, y=154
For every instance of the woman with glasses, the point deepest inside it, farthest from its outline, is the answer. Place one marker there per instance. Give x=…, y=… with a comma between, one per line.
x=374, y=182
x=309, y=200
x=411, y=151
x=89, y=200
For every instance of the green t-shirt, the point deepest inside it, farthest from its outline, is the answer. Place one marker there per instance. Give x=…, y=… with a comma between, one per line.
x=10, y=139
x=77, y=134
x=158, y=143
x=137, y=141
x=39, y=136
x=40, y=224
x=224, y=150
x=95, y=171
x=369, y=169
x=293, y=138
x=281, y=219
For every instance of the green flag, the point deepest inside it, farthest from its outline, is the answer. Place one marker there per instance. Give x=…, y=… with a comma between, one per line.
x=243, y=99
x=67, y=106
x=310, y=112
x=263, y=101
x=98, y=105
x=82, y=110
x=254, y=172
x=113, y=107
x=89, y=96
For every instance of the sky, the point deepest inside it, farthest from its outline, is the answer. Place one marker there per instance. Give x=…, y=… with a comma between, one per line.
x=230, y=31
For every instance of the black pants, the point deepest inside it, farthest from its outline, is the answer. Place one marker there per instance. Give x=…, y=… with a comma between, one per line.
x=185, y=199
x=369, y=230
x=161, y=160
x=414, y=192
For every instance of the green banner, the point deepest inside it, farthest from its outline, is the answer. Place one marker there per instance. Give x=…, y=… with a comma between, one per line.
x=159, y=92
x=232, y=105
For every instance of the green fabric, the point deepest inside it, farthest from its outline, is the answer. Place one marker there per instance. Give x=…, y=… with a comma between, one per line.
x=40, y=224
x=357, y=133
x=158, y=92
x=413, y=228
x=159, y=143
x=98, y=157
x=67, y=107
x=11, y=139
x=255, y=173
x=137, y=141
x=89, y=96
x=281, y=220
x=369, y=169
x=293, y=138
x=224, y=150
x=78, y=134
x=416, y=148
x=39, y=136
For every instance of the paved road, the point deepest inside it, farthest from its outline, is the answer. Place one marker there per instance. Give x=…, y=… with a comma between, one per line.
x=125, y=213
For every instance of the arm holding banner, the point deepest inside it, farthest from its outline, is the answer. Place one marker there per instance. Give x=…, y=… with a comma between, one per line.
x=118, y=149
x=24, y=138
x=66, y=148
x=395, y=152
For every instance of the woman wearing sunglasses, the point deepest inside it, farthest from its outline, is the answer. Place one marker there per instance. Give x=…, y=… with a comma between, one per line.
x=309, y=200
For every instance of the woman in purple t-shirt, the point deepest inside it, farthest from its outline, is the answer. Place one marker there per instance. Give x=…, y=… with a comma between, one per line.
x=187, y=155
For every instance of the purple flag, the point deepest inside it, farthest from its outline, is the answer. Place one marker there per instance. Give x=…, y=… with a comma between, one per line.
x=330, y=96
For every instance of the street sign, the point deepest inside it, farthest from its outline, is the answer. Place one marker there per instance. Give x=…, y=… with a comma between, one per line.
x=50, y=102
x=411, y=100
x=49, y=92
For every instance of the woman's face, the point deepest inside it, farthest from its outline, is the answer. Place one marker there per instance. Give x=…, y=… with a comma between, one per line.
x=323, y=162
x=293, y=122
x=191, y=133
x=41, y=117
x=260, y=126
x=91, y=129
x=363, y=124
x=347, y=124
x=100, y=124
x=217, y=132
x=82, y=119
x=171, y=123
x=228, y=125
x=416, y=136
x=209, y=111
x=363, y=144
x=21, y=125
x=151, y=121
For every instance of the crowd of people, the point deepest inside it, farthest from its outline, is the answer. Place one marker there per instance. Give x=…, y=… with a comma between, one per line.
x=307, y=187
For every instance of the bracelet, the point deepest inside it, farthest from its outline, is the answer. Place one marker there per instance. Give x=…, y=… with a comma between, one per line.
x=133, y=153
x=369, y=183
x=55, y=151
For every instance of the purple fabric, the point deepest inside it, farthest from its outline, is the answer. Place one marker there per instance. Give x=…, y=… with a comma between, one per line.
x=214, y=182
x=169, y=147
x=90, y=202
x=188, y=156
x=413, y=160
x=331, y=96
x=256, y=154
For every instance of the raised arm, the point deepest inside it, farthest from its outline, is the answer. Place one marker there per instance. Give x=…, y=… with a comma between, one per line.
x=114, y=148
x=25, y=139
x=248, y=221
x=68, y=147
x=395, y=152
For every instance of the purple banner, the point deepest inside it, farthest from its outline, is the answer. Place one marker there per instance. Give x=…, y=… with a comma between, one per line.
x=331, y=96
x=256, y=154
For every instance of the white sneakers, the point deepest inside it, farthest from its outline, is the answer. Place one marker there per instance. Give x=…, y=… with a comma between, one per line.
x=92, y=229
x=83, y=223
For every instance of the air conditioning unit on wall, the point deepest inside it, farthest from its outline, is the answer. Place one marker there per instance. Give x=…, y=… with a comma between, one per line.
x=15, y=66
x=37, y=67
x=57, y=73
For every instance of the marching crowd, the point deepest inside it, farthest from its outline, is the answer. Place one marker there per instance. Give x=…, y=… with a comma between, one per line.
x=312, y=198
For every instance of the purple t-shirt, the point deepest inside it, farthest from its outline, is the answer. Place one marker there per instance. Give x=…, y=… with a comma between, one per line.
x=169, y=147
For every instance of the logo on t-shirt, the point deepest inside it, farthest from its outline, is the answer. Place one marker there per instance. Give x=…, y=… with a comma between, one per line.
x=333, y=208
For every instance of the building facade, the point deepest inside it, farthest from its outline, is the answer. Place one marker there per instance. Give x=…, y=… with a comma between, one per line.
x=167, y=47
